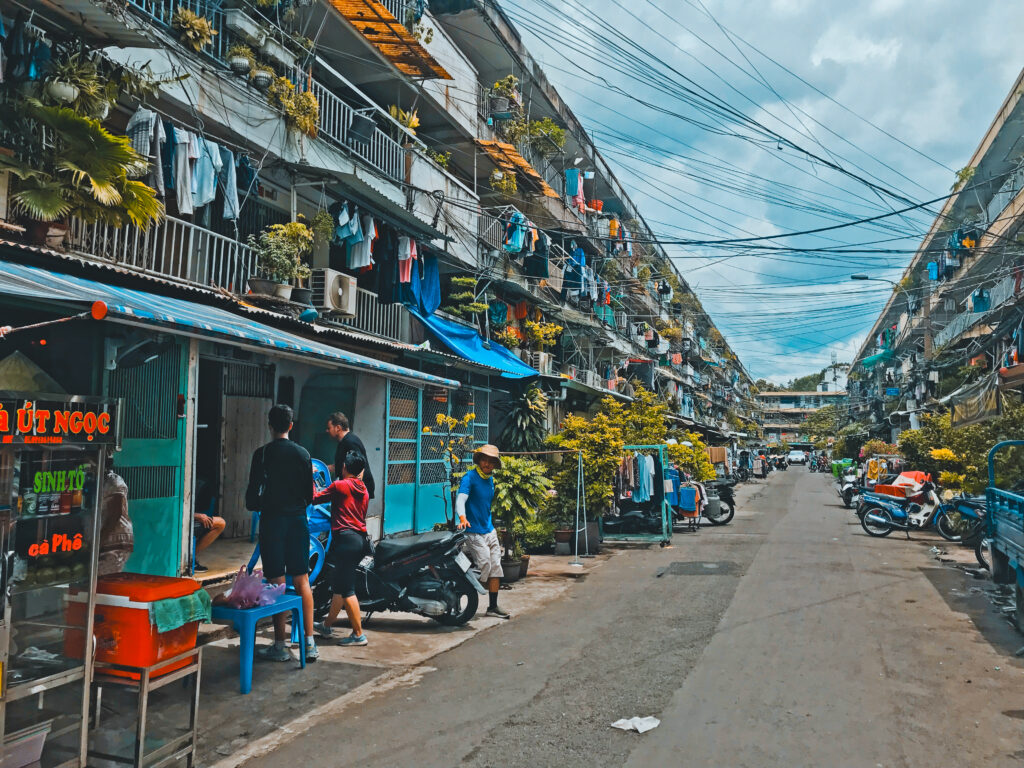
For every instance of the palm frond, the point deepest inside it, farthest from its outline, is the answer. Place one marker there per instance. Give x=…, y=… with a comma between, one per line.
x=141, y=204
x=43, y=202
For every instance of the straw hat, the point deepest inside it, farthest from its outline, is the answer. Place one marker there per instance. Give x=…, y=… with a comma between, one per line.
x=490, y=451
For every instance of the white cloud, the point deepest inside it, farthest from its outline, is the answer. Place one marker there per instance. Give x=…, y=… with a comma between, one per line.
x=843, y=46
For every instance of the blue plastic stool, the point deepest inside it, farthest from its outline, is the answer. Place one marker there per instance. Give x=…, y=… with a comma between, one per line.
x=244, y=621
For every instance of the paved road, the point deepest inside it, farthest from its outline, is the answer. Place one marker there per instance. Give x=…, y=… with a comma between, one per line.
x=787, y=638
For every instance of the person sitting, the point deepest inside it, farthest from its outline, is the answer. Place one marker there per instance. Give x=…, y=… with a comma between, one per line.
x=349, y=499
x=206, y=529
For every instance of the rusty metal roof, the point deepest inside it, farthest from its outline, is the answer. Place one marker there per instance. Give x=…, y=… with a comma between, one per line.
x=507, y=157
x=389, y=36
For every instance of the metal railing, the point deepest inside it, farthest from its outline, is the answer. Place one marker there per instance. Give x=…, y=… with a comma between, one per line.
x=162, y=11
x=382, y=152
x=173, y=249
x=387, y=320
x=999, y=294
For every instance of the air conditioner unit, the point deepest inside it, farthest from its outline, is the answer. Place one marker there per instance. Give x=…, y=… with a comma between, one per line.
x=541, y=361
x=334, y=292
x=591, y=379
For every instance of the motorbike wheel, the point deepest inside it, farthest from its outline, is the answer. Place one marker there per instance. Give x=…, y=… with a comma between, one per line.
x=467, y=601
x=848, y=498
x=876, y=529
x=945, y=527
x=725, y=514
x=981, y=553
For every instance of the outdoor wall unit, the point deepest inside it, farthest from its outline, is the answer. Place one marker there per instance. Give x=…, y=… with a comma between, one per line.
x=541, y=361
x=334, y=292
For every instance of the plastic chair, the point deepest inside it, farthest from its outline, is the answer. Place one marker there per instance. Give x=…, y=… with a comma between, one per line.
x=321, y=474
x=244, y=621
x=254, y=524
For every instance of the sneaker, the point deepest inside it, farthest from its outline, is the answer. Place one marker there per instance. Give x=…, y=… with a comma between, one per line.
x=323, y=630
x=497, y=613
x=353, y=640
x=197, y=568
x=273, y=653
x=312, y=654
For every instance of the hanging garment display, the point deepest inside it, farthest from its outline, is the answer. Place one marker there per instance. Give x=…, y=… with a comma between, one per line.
x=229, y=183
x=185, y=153
x=514, y=236
x=406, y=256
x=204, y=172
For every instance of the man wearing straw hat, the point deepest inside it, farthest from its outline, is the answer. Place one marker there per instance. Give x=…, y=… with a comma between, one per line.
x=473, y=505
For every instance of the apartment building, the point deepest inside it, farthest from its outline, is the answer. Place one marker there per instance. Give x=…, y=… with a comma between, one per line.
x=950, y=334
x=456, y=258
x=784, y=412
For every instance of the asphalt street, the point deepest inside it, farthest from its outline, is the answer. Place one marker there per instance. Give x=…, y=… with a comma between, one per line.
x=786, y=638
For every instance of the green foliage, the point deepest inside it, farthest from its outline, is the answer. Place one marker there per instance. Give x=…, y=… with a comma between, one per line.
x=280, y=250
x=441, y=158
x=462, y=298
x=963, y=176
x=807, y=383
x=600, y=440
x=542, y=335
x=193, y=30
x=525, y=429
x=504, y=182
x=823, y=422
x=546, y=136
x=520, y=489
x=240, y=51
x=538, y=535
x=508, y=87
x=643, y=421
x=82, y=170
x=877, y=447
x=692, y=458
x=322, y=226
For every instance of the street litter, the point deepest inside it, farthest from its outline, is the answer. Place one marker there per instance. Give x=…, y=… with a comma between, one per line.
x=638, y=724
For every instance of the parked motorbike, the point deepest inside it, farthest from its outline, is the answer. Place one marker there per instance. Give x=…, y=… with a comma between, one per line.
x=743, y=474
x=847, y=487
x=885, y=514
x=426, y=574
x=724, y=489
x=781, y=463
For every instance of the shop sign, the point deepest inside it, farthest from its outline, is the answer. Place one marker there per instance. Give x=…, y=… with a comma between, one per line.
x=55, y=544
x=57, y=422
x=892, y=391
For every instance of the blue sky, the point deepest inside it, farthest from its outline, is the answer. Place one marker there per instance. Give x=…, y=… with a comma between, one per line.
x=897, y=92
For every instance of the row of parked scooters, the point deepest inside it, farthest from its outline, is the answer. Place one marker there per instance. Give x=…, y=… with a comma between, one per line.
x=909, y=502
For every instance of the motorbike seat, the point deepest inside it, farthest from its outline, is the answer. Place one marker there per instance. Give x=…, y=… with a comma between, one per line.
x=391, y=549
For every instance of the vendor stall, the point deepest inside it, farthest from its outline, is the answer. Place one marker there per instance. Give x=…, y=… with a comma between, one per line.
x=52, y=454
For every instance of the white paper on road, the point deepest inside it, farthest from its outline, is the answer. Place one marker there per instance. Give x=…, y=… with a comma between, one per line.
x=638, y=724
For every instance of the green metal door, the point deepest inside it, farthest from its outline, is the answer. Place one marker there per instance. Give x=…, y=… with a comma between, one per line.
x=152, y=459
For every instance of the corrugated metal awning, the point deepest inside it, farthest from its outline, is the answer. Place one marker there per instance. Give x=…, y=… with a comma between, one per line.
x=508, y=159
x=389, y=36
x=191, y=319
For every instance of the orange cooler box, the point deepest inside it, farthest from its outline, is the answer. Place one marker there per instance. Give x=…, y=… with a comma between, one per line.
x=122, y=627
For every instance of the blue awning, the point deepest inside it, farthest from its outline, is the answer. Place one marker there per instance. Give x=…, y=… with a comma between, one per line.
x=881, y=357
x=467, y=343
x=189, y=317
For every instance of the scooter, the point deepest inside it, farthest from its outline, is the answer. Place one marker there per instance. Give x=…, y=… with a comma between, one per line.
x=847, y=487
x=426, y=574
x=883, y=515
x=726, y=502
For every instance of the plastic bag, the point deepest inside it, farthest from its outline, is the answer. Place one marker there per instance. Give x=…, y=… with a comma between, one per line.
x=270, y=593
x=249, y=590
x=246, y=589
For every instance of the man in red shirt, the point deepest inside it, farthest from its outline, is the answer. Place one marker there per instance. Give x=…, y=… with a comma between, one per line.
x=349, y=499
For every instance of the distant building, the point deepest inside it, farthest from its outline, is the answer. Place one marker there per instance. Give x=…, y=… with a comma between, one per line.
x=785, y=412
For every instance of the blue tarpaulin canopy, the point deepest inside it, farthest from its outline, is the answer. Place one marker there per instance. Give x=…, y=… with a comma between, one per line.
x=188, y=317
x=467, y=343
x=881, y=357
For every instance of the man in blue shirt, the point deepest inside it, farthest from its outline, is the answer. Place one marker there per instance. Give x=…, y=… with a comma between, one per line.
x=473, y=506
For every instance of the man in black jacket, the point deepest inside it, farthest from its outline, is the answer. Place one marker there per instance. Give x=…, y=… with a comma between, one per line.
x=281, y=487
x=338, y=428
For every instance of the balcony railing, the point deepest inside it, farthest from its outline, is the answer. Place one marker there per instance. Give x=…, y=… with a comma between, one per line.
x=173, y=249
x=381, y=152
x=1000, y=293
x=387, y=320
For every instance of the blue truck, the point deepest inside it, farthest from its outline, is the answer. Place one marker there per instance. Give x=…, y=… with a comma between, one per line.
x=1006, y=531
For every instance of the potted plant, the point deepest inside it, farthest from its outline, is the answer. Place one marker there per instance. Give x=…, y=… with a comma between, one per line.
x=547, y=137
x=462, y=298
x=542, y=335
x=278, y=52
x=507, y=337
x=362, y=127
x=193, y=30
x=280, y=250
x=81, y=170
x=241, y=59
x=525, y=429
x=262, y=76
x=74, y=79
x=244, y=26
x=302, y=113
x=504, y=93
x=408, y=120
x=504, y=182
x=520, y=488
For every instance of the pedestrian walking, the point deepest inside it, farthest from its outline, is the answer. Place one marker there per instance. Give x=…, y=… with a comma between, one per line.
x=349, y=544
x=281, y=487
x=473, y=505
x=338, y=428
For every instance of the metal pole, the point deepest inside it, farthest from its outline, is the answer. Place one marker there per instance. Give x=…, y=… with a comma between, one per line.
x=579, y=493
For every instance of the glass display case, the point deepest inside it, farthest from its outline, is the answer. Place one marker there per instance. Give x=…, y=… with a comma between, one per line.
x=52, y=455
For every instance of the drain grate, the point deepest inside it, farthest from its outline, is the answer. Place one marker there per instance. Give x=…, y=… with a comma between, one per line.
x=702, y=568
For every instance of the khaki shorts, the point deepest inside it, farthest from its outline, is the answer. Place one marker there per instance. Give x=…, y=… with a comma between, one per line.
x=484, y=550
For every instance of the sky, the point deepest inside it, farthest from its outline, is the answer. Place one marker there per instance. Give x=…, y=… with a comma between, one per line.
x=730, y=119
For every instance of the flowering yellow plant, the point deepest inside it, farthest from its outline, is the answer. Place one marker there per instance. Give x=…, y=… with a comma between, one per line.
x=943, y=454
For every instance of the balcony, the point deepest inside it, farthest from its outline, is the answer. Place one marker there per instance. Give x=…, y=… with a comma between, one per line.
x=172, y=249
x=381, y=153
x=388, y=320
